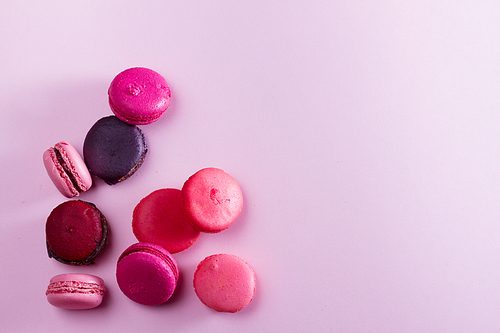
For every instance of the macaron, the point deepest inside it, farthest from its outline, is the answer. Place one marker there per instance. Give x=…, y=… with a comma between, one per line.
x=76, y=233
x=75, y=291
x=147, y=273
x=66, y=169
x=139, y=96
x=224, y=282
x=113, y=150
x=212, y=200
x=159, y=218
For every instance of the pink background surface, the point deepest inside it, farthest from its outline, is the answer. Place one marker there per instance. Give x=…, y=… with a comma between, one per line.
x=365, y=136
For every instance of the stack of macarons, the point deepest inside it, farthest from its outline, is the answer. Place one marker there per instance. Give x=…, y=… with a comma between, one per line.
x=165, y=222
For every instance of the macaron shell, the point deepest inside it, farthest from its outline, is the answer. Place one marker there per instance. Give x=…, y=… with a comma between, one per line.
x=224, y=283
x=75, y=291
x=139, y=96
x=84, y=278
x=159, y=218
x=71, y=301
x=212, y=200
x=147, y=274
x=114, y=150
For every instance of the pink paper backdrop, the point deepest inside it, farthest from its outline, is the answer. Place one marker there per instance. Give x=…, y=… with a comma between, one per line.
x=365, y=136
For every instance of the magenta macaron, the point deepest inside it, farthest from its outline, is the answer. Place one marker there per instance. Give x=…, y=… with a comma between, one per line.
x=224, y=282
x=147, y=273
x=139, y=96
x=212, y=200
x=66, y=169
x=75, y=291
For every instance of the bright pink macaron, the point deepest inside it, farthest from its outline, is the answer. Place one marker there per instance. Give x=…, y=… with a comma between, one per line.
x=139, y=96
x=224, y=282
x=66, y=169
x=212, y=200
x=147, y=273
x=159, y=218
x=75, y=291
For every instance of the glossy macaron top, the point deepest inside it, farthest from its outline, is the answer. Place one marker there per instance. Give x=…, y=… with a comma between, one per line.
x=113, y=150
x=66, y=169
x=159, y=218
x=212, y=200
x=224, y=282
x=147, y=273
x=75, y=291
x=76, y=233
x=139, y=96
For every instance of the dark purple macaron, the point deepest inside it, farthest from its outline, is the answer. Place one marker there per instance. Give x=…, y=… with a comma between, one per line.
x=113, y=150
x=76, y=233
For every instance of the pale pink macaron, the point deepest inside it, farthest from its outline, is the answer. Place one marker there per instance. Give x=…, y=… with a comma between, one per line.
x=224, y=282
x=66, y=169
x=139, y=96
x=75, y=291
x=212, y=200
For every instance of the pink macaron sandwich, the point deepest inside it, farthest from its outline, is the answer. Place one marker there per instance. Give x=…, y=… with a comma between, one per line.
x=139, y=96
x=147, y=273
x=75, y=291
x=66, y=169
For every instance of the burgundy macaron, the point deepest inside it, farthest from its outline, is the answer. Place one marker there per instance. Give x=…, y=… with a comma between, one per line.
x=76, y=233
x=147, y=273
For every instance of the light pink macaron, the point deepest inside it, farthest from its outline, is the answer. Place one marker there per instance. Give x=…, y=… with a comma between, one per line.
x=66, y=169
x=212, y=200
x=75, y=291
x=224, y=282
x=139, y=96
